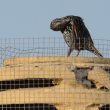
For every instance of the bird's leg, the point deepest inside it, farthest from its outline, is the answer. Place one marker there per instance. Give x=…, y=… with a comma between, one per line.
x=78, y=53
x=69, y=52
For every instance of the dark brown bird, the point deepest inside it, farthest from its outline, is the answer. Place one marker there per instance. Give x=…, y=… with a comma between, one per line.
x=75, y=34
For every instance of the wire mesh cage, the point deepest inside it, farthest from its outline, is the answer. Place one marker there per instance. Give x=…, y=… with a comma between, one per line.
x=36, y=74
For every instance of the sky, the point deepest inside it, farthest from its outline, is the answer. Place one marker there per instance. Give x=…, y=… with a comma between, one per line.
x=27, y=18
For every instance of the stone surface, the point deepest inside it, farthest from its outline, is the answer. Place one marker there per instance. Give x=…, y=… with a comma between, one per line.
x=67, y=93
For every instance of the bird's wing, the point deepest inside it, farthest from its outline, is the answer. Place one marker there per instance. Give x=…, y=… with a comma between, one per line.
x=80, y=30
x=75, y=31
x=78, y=27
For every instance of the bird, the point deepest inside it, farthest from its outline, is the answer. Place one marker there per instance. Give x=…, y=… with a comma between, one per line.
x=75, y=33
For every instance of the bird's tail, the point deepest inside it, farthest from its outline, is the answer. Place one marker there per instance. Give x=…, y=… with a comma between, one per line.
x=96, y=52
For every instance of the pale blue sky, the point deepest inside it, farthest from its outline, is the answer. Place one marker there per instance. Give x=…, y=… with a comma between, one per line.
x=22, y=18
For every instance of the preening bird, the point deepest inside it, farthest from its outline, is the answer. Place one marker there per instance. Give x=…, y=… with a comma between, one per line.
x=75, y=33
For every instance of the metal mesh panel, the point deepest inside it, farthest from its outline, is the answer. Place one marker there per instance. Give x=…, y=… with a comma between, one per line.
x=36, y=74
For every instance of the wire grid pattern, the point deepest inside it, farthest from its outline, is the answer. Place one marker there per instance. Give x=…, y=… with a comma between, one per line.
x=34, y=47
x=51, y=46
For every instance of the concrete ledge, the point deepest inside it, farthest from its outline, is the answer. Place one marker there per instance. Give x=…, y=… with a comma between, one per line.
x=68, y=93
x=57, y=59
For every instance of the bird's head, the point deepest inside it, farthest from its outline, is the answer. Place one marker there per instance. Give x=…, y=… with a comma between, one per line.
x=59, y=24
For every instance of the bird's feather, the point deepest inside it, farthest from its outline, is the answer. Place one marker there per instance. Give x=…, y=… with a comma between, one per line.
x=75, y=33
